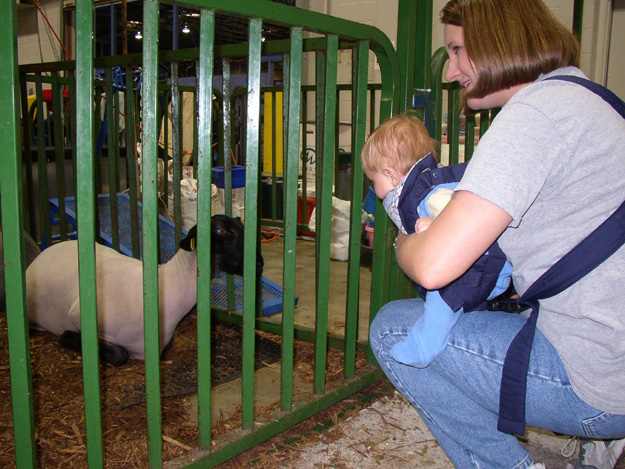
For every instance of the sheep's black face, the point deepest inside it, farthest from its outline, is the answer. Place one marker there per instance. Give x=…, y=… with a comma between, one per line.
x=228, y=246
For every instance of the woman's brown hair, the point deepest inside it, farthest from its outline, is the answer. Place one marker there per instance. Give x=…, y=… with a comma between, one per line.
x=510, y=42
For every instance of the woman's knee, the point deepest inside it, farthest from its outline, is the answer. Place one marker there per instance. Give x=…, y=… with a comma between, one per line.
x=394, y=321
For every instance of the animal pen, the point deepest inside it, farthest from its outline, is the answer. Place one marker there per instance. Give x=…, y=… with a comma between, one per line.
x=66, y=164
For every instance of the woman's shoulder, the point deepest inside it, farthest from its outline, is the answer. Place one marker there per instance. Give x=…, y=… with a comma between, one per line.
x=551, y=92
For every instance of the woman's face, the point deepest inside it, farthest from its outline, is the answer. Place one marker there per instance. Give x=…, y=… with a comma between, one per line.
x=461, y=69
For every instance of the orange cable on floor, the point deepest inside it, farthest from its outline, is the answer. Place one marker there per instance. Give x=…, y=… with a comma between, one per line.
x=275, y=234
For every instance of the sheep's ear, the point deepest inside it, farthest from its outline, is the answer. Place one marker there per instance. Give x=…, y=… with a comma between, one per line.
x=189, y=243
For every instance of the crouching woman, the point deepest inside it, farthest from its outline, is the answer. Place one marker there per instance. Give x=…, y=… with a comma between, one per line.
x=549, y=171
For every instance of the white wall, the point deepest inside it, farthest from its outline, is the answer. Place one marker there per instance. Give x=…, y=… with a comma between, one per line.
x=36, y=42
x=616, y=65
x=383, y=14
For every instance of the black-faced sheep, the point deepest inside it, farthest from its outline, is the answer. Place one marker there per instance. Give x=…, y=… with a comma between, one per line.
x=53, y=299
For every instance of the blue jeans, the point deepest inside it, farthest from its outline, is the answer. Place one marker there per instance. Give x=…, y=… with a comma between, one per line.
x=457, y=395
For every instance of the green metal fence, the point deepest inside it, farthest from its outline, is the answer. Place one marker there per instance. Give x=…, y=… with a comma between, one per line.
x=76, y=144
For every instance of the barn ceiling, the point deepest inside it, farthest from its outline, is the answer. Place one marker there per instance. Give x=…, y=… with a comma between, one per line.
x=228, y=29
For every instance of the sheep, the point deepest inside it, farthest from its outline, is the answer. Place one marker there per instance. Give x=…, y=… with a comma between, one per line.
x=53, y=298
x=31, y=251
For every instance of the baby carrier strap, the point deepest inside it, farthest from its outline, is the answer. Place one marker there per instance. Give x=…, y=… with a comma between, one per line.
x=582, y=259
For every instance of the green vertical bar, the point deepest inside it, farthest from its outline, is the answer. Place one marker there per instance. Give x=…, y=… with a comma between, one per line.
x=111, y=117
x=484, y=121
x=453, y=125
x=578, y=16
x=59, y=152
x=252, y=146
x=469, y=137
x=228, y=157
x=74, y=132
x=13, y=245
x=27, y=159
x=406, y=48
x=195, y=135
x=131, y=171
x=384, y=229
x=359, y=118
x=205, y=91
x=320, y=123
x=85, y=201
x=176, y=146
x=290, y=215
x=423, y=48
x=304, y=155
x=324, y=200
x=42, y=166
x=149, y=89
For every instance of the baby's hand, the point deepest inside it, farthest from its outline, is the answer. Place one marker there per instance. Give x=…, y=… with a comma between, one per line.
x=422, y=224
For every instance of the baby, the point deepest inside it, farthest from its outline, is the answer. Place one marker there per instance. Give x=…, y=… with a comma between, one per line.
x=414, y=190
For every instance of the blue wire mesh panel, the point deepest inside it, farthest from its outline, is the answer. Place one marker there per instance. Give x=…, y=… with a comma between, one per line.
x=166, y=229
x=272, y=294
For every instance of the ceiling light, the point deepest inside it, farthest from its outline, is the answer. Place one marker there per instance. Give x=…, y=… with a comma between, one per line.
x=138, y=35
x=185, y=28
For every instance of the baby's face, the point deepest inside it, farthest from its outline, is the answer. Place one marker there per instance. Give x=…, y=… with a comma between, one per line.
x=382, y=183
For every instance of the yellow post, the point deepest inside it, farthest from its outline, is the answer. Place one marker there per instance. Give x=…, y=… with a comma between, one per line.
x=273, y=133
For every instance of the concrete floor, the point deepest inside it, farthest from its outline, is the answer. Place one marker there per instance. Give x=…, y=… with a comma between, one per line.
x=227, y=396
x=389, y=433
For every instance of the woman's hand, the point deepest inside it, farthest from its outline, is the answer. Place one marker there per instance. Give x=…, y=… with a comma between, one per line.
x=463, y=231
x=422, y=224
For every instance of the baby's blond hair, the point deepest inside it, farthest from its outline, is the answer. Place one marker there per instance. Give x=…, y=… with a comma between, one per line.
x=399, y=142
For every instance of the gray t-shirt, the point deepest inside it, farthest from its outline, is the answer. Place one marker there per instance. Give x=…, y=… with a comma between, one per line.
x=554, y=159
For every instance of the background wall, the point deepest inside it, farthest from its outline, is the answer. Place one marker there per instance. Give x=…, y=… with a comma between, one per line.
x=597, y=32
x=616, y=57
x=36, y=42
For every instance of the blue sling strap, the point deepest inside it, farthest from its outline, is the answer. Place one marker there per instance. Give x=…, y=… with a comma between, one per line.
x=582, y=259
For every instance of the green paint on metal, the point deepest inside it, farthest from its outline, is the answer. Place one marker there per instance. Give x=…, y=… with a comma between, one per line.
x=324, y=205
x=453, y=124
x=131, y=160
x=406, y=49
x=252, y=154
x=423, y=48
x=42, y=169
x=293, y=97
x=113, y=155
x=86, y=231
x=205, y=96
x=359, y=118
x=13, y=245
x=578, y=17
x=149, y=166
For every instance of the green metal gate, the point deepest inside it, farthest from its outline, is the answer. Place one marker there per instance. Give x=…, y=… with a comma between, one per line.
x=332, y=36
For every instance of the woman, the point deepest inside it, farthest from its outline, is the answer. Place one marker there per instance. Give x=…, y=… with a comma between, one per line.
x=550, y=169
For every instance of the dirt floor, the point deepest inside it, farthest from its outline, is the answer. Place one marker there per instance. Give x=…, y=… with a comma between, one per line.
x=386, y=433
x=58, y=400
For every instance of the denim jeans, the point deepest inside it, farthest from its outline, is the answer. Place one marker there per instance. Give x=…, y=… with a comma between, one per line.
x=457, y=395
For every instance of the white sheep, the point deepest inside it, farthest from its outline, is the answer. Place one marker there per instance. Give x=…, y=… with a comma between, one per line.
x=53, y=297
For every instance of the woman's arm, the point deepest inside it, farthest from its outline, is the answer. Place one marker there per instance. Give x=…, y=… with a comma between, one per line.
x=462, y=232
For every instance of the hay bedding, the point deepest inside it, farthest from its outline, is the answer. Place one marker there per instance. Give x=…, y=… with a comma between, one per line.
x=59, y=403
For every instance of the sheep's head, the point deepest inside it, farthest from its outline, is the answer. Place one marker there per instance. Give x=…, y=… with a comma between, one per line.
x=227, y=246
